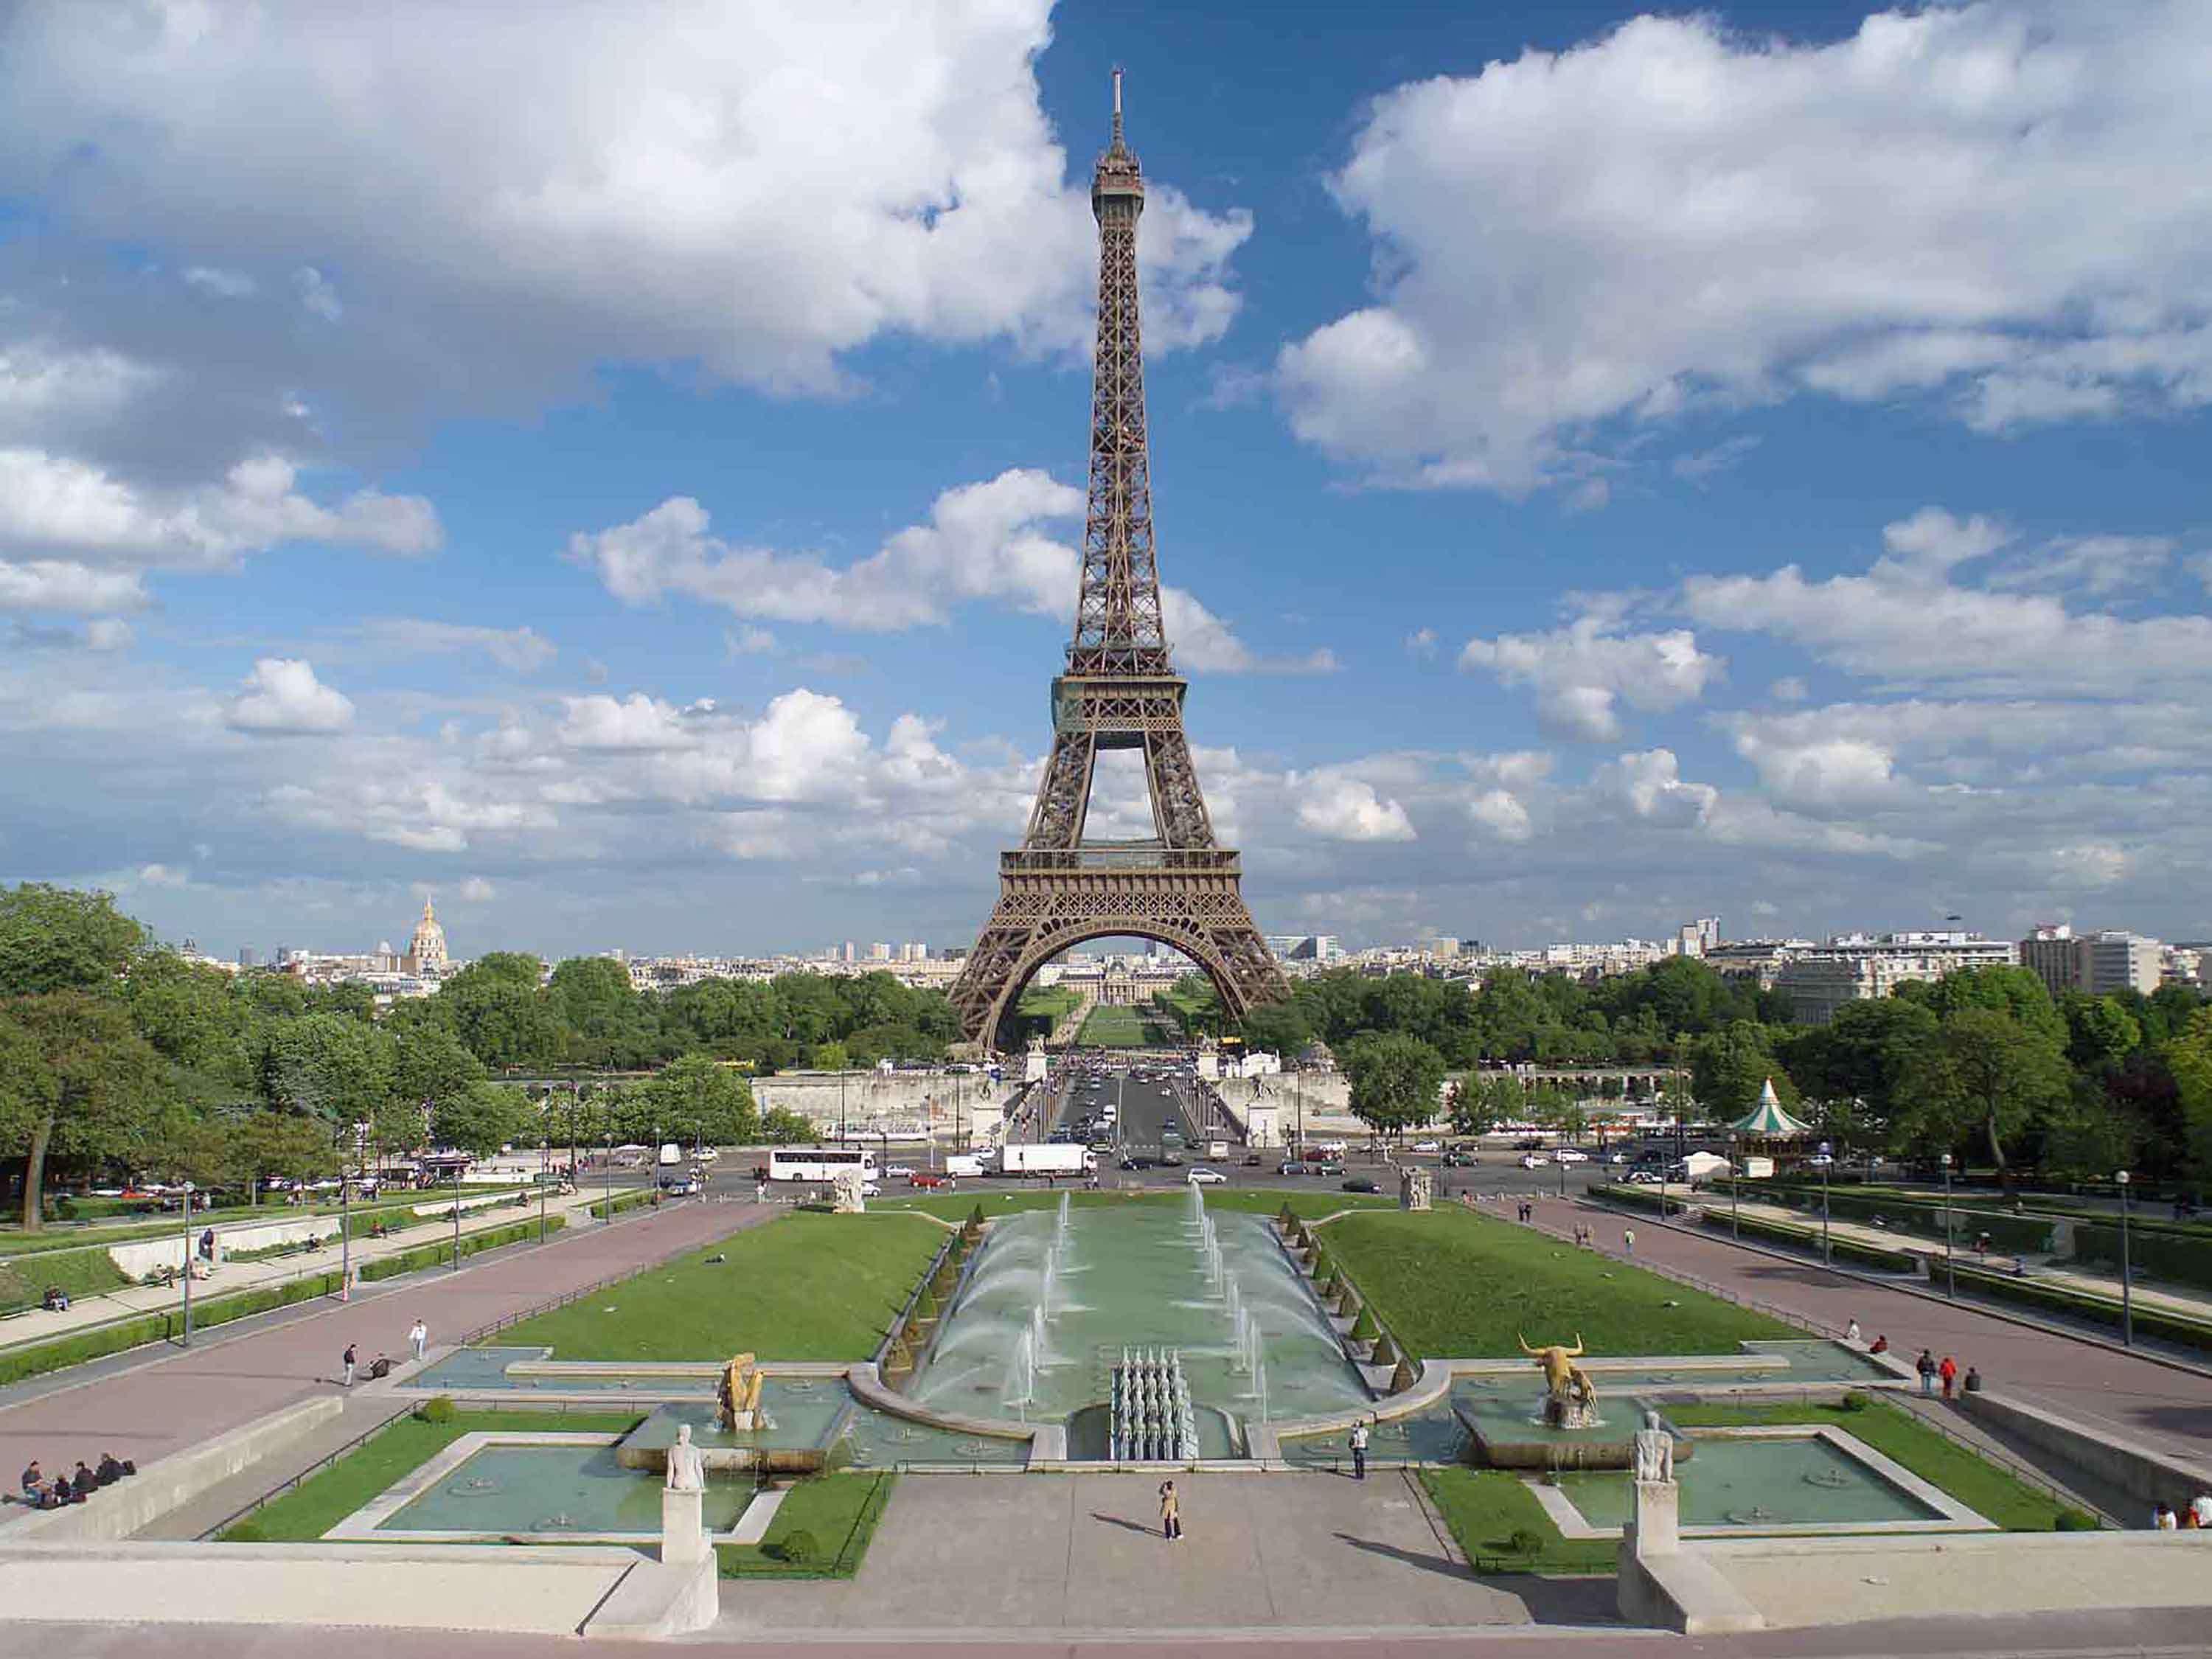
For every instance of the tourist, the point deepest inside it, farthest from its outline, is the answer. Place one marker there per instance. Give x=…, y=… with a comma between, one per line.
x=1926, y=1366
x=1948, y=1371
x=1628, y=1241
x=350, y=1360
x=760, y=1192
x=207, y=1245
x=1851, y=1331
x=2200, y=1507
x=2163, y=1519
x=1358, y=1451
x=1170, y=1512
x=112, y=1468
x=1973, y=1383
x=1879, y=1345
x=34, y=1481
x=418, y=1337
x=56, y=1300
x=83, y=1481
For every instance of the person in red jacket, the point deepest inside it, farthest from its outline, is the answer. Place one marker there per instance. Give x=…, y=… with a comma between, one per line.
x=1948, y=1371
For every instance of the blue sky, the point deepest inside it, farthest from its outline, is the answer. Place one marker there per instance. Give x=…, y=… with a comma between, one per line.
x=615, y=468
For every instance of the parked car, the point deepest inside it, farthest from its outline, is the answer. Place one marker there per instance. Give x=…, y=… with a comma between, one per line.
x=1133, y=1162
x=1428, y=1146
x=1458, y=1159
x=1361, y=1184
x=1644, y=1177
x=1291, y=1166
x=1251, y=1160
x=1204, y=1177
x=898, y=1172
x=1570, y=1155
x=1535, y=1161
x=1327, y=1166
x=872, y=1189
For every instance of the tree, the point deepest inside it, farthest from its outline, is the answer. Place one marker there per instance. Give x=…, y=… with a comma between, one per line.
x=430, y=1063
x=1863, y=1054
x=2189, y=1058
x=1280, y=1027
x=78, y=1083
x=2018, y=992
x=1729, y=1069
x=782, y=1126
x=483, y=1118
x=708, y=1099
x=2101, y=1033
x=330, y=1067
x=498, y=1011
x=55, y=939
x=193, y=1018
x=606, y=1022
x=1395, y=1080
x=1984, y=1073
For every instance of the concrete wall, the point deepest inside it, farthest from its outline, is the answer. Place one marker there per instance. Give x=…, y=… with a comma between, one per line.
x=899, y=1101
x=137, y=1500
x=2142, y=1472
x=137, y=1260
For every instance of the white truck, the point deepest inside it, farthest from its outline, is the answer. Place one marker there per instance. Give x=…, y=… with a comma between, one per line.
x=1054, y=1157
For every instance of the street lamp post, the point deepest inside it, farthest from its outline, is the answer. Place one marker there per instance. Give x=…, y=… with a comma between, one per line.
x=544, y=1161
x=188, y=1264
x=1950, y=1280
x=1827, y=1256
x=607, y=1180
x=2127, y=1278
x=457, y=1217
x=345, y=1222
x=1735, y=1189
x=841, y=1103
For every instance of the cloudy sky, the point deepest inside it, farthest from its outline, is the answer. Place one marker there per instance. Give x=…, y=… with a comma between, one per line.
x=616, y=466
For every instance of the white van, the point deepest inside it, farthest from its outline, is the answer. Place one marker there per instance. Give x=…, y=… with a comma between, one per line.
x=670, y=1155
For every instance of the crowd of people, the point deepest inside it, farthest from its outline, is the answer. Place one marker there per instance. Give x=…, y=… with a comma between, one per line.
x=75, y=1486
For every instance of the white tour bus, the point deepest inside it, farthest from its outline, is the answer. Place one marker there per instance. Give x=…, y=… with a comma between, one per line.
x=819, y=1162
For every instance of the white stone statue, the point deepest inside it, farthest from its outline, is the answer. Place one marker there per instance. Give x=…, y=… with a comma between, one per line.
x=687, y=1468
x=1654, y=1450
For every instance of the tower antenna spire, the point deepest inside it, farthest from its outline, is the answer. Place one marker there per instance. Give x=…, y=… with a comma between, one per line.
x=1117, y=104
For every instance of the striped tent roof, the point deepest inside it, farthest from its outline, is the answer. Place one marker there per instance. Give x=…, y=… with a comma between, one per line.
x=1768, y=1119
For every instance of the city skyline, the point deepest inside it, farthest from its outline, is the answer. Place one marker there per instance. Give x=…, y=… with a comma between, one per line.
x=609, y=548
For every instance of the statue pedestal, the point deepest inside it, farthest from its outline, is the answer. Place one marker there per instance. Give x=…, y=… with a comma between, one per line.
x=745, y=1422
x=1415, y=1186
x=683, y=1528
x=1654, y=1528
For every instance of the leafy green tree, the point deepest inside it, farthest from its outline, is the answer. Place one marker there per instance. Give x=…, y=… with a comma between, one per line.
x=1859, y=1061
x=2188, y=1057
x=2101, y=1032
x=1985, y=1074
x=328, y=1067
x=1394, y=1081
x=499, y=1012
x=78, y=1083
x=192, y=1017
x=605, y=1022
x=429, y=1063
x=1729, y=1069
x=697, y=1095
x=830, y=1057
x=2017, y=992
x=782, y=1126
x=483, y=1118
x=56, y=939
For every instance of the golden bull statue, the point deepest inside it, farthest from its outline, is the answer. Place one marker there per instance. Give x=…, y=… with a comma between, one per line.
x=737, y=1396
x=1571, y=1398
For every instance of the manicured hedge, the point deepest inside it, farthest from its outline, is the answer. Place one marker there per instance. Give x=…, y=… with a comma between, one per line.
x=2009, y=1233
x=1639, y=1197
x=2159, y=1252
x=37, y=1359
x=2098, y=1310
x=1809, y=1238
x=603, y=1208
x=435, y=1255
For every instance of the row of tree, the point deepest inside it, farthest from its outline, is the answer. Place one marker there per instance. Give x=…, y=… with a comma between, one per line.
x=1983, y=1063
x=118, y=1056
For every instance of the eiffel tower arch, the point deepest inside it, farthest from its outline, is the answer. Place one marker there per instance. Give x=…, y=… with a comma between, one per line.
x=1119, y=692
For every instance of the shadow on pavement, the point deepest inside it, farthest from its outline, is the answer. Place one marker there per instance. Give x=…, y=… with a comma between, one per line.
x=1427, y=1563
x=1126, y=1526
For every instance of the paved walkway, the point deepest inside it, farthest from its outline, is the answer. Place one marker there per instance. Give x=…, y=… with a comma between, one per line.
x=2133, y=1398
x=38, y=1325
x=1078, y=1553
x=180, y=1397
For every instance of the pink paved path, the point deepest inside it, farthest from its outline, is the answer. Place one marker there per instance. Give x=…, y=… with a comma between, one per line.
x=226, y=1380
x=2134, y=1399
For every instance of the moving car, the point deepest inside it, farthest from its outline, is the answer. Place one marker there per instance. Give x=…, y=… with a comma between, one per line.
x=1534, y=1161
x=1361, y=1184
x=1458, y=1159
x=1203, y=1177
x=924, y=1178
x=1428, y=1146
x=1291, y=1166
x=1251, y=1160
x=898, y=1172
x=1570, y=1155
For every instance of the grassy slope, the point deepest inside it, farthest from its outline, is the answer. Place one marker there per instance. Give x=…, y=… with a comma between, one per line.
x=1452, y=1282
x=840, y=1510
x=1117, y=1027
x=320, y=1503
x=1484, y=1508
x=804, y=1287
x=1981, y=1486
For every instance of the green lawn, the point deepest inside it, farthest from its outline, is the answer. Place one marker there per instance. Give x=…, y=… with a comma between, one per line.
x=1453, y=1283
x=1121, y=1028
x=1980, y=1485
x=838, y=1511
x=1495, y=1519
x=1048, y=1003
x=806, y=1286
x=320, y=1503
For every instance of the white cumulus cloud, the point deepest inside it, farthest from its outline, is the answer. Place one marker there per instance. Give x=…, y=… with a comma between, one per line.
x=283, y=696
x=1344, y=808
x=1581, y=673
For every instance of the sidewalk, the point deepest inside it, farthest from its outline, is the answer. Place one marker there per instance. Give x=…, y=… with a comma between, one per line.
x=230, y=1277
x=2187, y=1302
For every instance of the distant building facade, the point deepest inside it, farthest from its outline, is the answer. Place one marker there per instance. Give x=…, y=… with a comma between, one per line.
x=1860, y=968
x=2111, y=959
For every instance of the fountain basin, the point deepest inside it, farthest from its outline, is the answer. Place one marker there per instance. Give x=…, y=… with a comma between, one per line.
x=1506, y=1431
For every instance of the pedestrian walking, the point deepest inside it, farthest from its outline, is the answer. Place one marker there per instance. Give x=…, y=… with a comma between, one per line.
x=1851, y=1331
x=350, y=1360
x=418, y=1337
x=1948, y=1371
x=1628, y=1241
x=760, y=1192
x=1358, y=1451
x=1170, y=1512
x=1926, y=1366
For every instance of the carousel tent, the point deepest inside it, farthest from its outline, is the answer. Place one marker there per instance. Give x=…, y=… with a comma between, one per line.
x=1767, y=1120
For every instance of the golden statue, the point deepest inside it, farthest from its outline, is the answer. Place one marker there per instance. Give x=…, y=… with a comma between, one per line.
x=737, y=1396
x=1570, y=1396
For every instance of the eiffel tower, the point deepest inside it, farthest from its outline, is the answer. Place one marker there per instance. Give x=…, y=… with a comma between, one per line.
x=1179, y=885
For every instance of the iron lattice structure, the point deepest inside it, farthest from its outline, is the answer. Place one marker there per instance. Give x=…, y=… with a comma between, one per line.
x=1120, y=691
